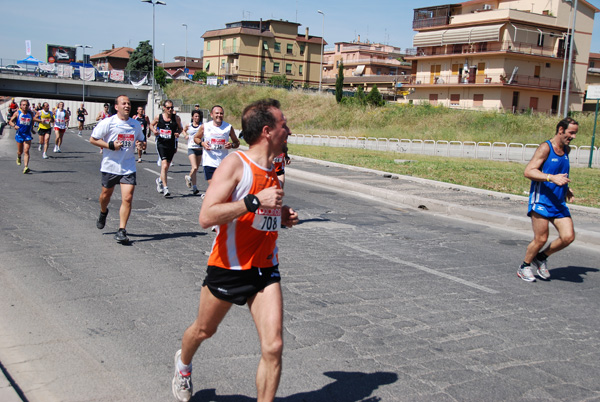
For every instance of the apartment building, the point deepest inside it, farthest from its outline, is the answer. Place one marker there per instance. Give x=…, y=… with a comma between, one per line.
x=500, y=54
x=365, y=64
x=112, y=59
x=257, y=50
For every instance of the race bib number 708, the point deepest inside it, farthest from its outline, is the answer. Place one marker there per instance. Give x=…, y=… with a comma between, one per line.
x=267, y=220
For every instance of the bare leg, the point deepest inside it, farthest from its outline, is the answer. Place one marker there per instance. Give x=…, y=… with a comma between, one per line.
x=105, y=195
x=540, y=236
x=164, y=169
x=126, y=200
x=267, y=310
x=566, y=235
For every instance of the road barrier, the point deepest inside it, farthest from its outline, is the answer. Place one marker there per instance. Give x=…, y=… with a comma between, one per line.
x=499, y=151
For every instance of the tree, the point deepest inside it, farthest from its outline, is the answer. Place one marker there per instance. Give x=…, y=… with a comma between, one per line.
x=160, y=76
x=280, y=81
x=141, y=58
x=360, y=96
x=200, y=75
x=374, y=97
x=339, y=83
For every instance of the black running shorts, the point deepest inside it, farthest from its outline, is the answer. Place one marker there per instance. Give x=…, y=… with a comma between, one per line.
x=110, y=180
x=165, y=152
x=238, y=286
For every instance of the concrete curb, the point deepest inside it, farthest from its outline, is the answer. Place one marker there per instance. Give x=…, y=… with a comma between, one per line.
x=472, y=214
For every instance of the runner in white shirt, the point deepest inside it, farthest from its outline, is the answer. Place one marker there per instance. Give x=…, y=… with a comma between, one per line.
x=194, y=150
x=60, y=125
x=120, y=136
x=214, y=138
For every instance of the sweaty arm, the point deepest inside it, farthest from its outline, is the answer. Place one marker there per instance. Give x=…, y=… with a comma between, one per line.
x=217, y=210
x=152, y=125
x=199, y=136
x=235, y=143
x=533, y=171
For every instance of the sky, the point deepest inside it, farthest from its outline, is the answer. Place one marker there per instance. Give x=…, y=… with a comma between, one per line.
x=101, y=24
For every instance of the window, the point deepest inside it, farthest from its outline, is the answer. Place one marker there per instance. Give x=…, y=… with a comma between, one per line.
x=208, y=46
x=288, y=68
x=454, y=99
x=300, y=69
x=224, y=43
x=234, y=43
x=433, y=99
x=537, y=71
x=263, y=66
x=207, y=66
x=540, y=41
x=302, y=50
x=275, y=67
x=290, y=48
x=265, y=45
x=277, y=47
x=592, y=64
x=478, y=100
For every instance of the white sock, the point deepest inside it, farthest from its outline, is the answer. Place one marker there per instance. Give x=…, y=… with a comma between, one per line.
x=184, y=369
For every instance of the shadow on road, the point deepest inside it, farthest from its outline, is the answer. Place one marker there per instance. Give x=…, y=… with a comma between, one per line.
x=347, y=387
x=312, y=220
x=570, y=274
x=138, y=238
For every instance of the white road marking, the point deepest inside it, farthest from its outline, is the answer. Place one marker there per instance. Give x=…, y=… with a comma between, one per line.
x=423, y=268
x=157, y=173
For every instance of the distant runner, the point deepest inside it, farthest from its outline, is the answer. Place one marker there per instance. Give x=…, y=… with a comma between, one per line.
x=60, y=125
x=81, y=113
x=166, y=127
x=194, y=150
x=46, y=120
x=22, y=122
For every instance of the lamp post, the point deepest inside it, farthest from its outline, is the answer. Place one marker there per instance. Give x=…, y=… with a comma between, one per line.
x=154, y=3
x=322, y=45
x=185, y=61
x=83, y=47
x=570, y=68
x=164, y=57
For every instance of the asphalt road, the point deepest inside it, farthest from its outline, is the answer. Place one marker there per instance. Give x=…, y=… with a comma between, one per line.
x=382, y=303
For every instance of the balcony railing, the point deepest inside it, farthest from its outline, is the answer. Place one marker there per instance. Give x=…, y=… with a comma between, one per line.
x=482, y=79
x=231, y=50
x=486, y=47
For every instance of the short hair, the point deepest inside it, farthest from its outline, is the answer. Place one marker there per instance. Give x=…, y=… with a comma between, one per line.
x=167, y=101
x=564, y=123
x=199, y=112
x=117, y=99
x=213, y=108
x=46, y=103
x=257, y=115
x=24, y=100
x=107, y=105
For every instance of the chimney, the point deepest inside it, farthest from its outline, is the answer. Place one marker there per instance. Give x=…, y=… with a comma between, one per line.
x=113, y=46
x=358, y=38
x=306, y=35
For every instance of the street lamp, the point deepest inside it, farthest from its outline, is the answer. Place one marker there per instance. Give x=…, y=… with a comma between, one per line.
x=83, y=47
x=185, y=62
x=322, y=45
x=164, y=57
x=154, y=3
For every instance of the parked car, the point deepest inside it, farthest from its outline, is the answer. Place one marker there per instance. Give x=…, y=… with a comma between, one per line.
x=13, y=69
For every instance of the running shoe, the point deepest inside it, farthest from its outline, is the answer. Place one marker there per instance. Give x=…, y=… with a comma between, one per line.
x=26, y=170
x=195, y=190
x=166, y=192
x=542, y=268
x=45, y=156
x=79, y=133
x=40, y=147
x=188, y=181
x=159, y=186
x=19, y=160
x=101, y=219
x=57, y=150
x=182, y=384
x=121, y=236
x=139, y=160
x=524, y=272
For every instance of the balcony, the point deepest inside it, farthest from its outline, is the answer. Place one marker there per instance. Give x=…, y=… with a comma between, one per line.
x=231, y=50
x=374, y=61
x=519, y=80
x=487, y=47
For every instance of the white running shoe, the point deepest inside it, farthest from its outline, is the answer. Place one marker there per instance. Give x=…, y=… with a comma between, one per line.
x=182, y=384
x=159, y=186
x=55, y=148
x=44, y=156
x=542, y=268
x=166, y=192
x=188, y=181
x=524, y=272
x=40, y=147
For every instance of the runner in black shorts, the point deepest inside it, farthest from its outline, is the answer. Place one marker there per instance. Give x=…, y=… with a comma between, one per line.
x=145, y=122
x=166, y=127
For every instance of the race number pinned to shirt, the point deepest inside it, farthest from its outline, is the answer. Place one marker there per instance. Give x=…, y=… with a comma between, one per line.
x=126, y=139
x=267, y=220
x=24, y=121
x=164, y=133
x=217, y=143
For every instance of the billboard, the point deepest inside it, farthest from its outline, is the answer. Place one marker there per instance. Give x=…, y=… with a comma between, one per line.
x=61, y=54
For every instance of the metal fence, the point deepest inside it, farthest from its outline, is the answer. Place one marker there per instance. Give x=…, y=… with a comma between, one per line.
x=499, y=151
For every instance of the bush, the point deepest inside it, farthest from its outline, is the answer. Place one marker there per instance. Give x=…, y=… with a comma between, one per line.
x=280, y=81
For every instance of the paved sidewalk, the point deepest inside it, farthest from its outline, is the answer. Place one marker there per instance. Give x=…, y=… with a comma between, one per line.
x=486, y=207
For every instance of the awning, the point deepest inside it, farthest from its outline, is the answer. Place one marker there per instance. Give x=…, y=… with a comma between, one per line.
x=359, y=70
x=488, y=33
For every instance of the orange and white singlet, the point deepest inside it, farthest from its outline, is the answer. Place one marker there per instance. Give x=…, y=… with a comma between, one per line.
x=250, y=240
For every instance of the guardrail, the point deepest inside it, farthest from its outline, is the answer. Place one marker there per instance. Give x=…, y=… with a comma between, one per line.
x=499, y=151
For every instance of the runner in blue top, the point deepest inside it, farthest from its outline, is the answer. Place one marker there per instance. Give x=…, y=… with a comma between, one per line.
x=548, y=171
x=22, y=121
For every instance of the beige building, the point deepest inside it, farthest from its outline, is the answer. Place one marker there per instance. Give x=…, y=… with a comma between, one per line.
x=500, y=54
x=365, y=64
x=258, y=50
